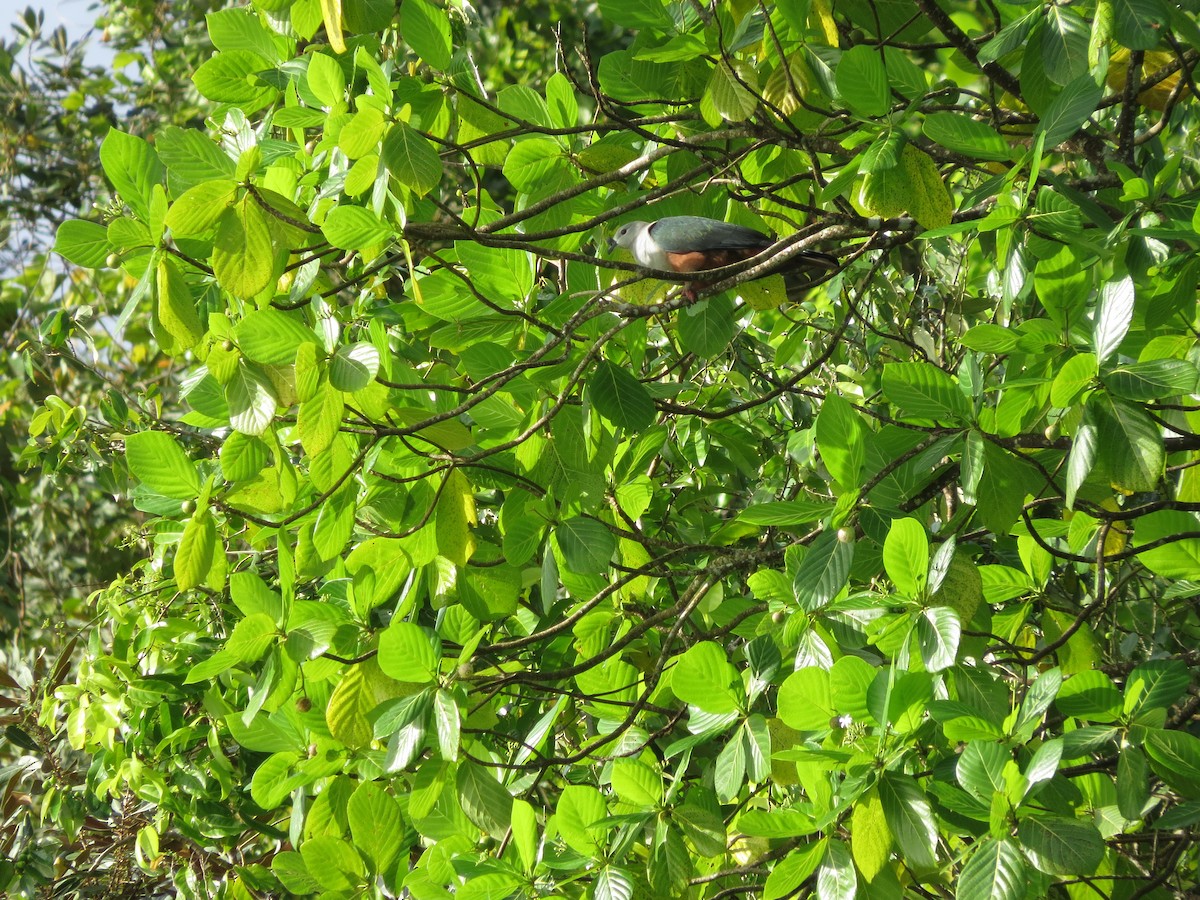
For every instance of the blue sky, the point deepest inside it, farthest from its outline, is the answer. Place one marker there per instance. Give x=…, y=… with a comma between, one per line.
x=76, y=15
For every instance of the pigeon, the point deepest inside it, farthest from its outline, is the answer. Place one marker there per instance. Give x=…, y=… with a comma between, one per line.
x=687, y=244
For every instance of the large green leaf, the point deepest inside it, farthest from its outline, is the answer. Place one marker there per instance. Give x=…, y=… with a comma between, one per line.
x=702, y=677
x=620, y=397
x=910, y=818
x=1061, y=846
x=411, y=159
x=925, y=391
x=133, y=167
x=994, y=871
x=83, y=243
x=157, y=460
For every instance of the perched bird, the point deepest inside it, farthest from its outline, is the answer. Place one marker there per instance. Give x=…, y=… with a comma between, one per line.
x=697, y=244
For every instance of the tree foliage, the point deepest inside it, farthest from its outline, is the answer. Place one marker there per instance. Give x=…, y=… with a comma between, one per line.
x=479, y=562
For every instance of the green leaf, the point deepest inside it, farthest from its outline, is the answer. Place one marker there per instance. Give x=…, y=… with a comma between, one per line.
x=841, y=438
x=1064, y=45
x=613, y=883
x=729, y=771
x=836, y=878
x=1076, y=375
x=500, y=274
x=354, y=366
x=871, y=839
x=805, y=700
x=1152, y=380
x=911, y=820
x=862, y=81
x=446, y=724
x=242, y=457
x=731, y=93
x=333, y=863
x=361, y=134
x=703, y=827
x=637, y=15
x=1180, y=556
x=980, y=768
x=1140, y=24
x=580, y=809
x=288, y=866
x=706, y=328
x=1089, y=695
x=996, y=870
x=1069, y=110
x=970, y=137
x=587, y=546
x=923, y=390
x=1175, y=758
x=1130, y=444
x=241, y=29
x=251, y=400
x=906, y=556
x=938, y=632
x=1113, y=317
x=411, y=159
x=1082, y=456
x=785, y=512
x=159, y=462
x=702, y=677
x=1039, y=697
x=620, y=397
x=319, y=419
x=1061, y=846
x=191, y=159
x=375, y=825
x=134, y=169
x=197, y=547
x=407, y=654
x=176, y=308
x=793, y=870
x=532, y=161
x=1133, y=783
x=1155, y=684
x=252, y=637
x=200, y=207
x=272, y=337
x=823, y=571
x=525, y=832
x=83, y=243
x=326, y=80
x=455, y=516
x=426, y=29
x=1063, y=284
x=354, y=228
x=636, y=783
x=232, y=77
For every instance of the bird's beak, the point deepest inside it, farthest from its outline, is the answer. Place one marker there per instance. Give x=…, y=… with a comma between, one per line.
x=612, y=244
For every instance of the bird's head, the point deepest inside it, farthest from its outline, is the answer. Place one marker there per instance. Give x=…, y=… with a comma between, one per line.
x=627, y=234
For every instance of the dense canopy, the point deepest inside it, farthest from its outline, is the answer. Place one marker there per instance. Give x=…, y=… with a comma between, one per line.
x=460, y=556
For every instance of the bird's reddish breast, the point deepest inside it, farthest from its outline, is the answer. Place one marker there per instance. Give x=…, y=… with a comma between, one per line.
x=702, y=260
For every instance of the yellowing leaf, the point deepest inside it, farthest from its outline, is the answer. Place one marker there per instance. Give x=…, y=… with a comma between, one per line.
x=331, y=15
x=823, y=10
x=455, y=516
x=764, y=293
x=243, y=256
x=914, y=184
